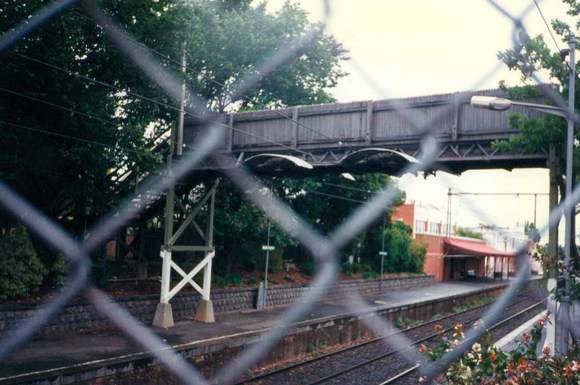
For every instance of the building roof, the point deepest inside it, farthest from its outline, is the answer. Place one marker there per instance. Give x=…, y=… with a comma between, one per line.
x=473, y=247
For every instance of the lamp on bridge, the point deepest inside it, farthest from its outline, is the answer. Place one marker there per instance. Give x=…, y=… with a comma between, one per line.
x=495, y=103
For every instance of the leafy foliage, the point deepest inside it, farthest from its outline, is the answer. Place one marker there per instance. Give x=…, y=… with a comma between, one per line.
x=404, y=254
x=75, y=162
x=486, y=364
x=21, y=272
x=465, y=232
x=113, y=128
x=73, y=146
x=323, y=202
x=549, y=132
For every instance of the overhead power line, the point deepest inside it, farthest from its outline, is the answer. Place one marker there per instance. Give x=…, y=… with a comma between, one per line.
x=75, y=138
x=58, y=106
x=95, y=81
x=547, y=25
x=498, y=193
x=349, y=188
x=333, y=196
x=135, y=95
x=206, y=77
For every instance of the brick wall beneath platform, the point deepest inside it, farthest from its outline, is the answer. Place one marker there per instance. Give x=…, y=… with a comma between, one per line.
x=83, y=317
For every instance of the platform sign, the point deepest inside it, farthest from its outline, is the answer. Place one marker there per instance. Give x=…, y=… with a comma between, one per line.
x=268, y=248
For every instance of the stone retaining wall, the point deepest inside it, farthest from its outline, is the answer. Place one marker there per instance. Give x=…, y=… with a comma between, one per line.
x=82, y=317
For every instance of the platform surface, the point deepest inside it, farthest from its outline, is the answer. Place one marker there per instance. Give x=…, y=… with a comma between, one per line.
x=64, y=350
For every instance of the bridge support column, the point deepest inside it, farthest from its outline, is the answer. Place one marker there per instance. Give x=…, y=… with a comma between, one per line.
x=204, y=312
x=164, y=315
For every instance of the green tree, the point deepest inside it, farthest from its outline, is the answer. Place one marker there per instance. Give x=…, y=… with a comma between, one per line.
x=404, y=253
x=324, y=202
x=549, y=132
x=465, y=232
x=21, y=272
x=73, y=147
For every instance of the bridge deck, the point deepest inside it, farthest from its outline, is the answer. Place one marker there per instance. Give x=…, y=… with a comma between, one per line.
x=326, y=134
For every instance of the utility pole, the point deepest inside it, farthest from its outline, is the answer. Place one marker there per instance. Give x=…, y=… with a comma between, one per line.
x=535, y=201
x=562, y=325
x=448, y=232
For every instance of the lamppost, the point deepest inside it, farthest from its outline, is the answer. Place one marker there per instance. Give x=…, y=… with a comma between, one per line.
x=501, y=104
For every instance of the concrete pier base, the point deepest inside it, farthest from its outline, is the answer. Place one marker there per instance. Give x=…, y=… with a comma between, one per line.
x=163, y=316
x=204, y=311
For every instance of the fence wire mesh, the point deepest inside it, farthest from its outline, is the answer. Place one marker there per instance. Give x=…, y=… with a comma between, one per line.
x=325, y=249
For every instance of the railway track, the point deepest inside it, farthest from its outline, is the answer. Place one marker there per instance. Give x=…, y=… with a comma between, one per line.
x=369, y=359
x=410, y=375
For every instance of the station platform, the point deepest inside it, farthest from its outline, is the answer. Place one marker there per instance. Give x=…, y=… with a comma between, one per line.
x=59, y=351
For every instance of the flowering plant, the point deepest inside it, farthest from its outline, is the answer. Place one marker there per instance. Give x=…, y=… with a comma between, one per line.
x=486, y=364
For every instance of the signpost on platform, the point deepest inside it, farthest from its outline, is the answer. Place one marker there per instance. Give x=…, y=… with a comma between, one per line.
x=267, y=248
x=383, y=253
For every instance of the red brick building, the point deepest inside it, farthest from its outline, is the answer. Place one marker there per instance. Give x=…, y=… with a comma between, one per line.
x=451, y=257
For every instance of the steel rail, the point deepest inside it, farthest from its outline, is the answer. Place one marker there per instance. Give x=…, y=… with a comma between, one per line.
x=360, y=345
x=412, y=369
x=393, y=352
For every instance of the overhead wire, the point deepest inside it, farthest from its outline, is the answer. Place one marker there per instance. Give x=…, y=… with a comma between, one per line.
x=135, y=95
x=498, y=193
x=138, y=96
x=75, y=138
x=99, y=82
x=247, y=98
x=550, y=30
x=58, y=106
x=333, y=196
x=349, y=188
x=547, y=25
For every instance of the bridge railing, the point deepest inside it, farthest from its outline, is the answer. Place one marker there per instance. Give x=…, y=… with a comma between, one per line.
x=363, y=123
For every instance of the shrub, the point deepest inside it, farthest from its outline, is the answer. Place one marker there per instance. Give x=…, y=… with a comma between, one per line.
x=354, y=268
x=21, y=272
x=486, y=364
x=370, y=275
x=289, y=278
x=307, y=266
x=235, y=280
x=218, y=281
x=58, y=272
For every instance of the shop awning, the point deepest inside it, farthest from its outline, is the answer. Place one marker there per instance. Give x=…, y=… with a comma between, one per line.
x=475, y=248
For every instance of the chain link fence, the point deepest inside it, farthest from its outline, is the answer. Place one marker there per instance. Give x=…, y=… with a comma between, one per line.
x=325, y=249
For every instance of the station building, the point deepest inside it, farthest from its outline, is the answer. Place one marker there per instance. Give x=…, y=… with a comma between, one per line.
x=451, y=257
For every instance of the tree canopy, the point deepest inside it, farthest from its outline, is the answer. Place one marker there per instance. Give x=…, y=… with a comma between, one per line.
x=469, y=233
x=76, y=112
x=80, y=124
x=547, y=133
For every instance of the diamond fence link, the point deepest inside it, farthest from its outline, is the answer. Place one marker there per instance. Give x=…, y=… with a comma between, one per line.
x=324, y=248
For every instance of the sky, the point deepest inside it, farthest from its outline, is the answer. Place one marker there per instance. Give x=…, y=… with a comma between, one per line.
x=402, y=48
